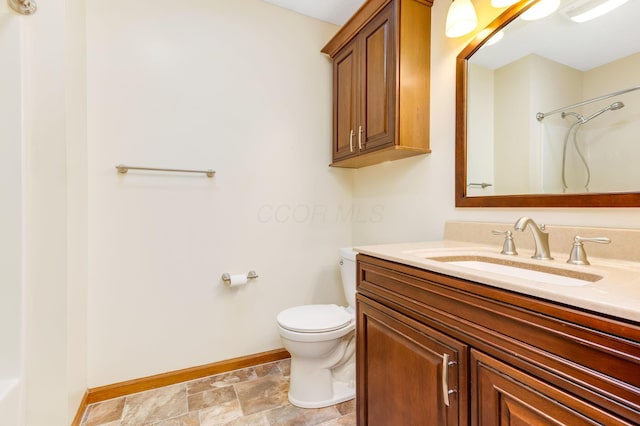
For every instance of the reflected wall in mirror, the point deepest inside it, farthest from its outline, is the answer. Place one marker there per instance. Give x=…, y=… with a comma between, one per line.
x=549, y=116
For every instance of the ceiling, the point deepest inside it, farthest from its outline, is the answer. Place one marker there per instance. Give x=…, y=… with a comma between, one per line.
x=580, y=46
x=612, y=36
x=333, y=11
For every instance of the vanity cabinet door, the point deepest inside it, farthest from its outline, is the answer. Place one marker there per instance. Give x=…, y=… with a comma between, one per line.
x=408, y=374
x=502, y=395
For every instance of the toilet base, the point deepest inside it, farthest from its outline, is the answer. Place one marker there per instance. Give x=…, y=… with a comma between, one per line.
x=342, y=391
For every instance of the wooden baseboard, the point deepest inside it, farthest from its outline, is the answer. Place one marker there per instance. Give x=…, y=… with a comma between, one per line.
x=128, y=387
x=81, y=409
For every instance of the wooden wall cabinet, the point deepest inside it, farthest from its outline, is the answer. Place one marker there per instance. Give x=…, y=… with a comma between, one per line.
x=381, y=70
x=438, y=350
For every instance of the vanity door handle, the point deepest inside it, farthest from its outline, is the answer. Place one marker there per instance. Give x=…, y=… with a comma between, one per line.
x=360, y=138
x=351, y=140
x=445, y=378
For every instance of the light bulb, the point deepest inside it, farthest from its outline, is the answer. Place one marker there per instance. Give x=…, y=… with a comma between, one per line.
x=461, y=18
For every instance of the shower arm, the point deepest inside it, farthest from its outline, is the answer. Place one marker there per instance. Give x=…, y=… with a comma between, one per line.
x=540, y=116
x=23, y=7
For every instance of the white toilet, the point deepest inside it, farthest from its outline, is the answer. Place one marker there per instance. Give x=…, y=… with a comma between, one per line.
x=321, y=341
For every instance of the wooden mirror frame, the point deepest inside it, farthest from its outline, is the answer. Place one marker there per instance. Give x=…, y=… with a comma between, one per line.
x=616, y=199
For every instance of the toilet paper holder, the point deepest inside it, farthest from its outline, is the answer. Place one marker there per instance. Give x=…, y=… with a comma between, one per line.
x=226, y=277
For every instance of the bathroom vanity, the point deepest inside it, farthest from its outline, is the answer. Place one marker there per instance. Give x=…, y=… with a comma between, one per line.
x=438, y=346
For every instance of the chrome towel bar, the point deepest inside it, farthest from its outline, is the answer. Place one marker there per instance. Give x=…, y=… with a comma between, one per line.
x=482, y=185
x=124, y=169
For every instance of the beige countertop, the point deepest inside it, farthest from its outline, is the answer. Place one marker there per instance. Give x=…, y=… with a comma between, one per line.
x=617, y=293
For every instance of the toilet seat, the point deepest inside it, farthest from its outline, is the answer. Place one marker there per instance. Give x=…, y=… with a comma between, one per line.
x=314, y=318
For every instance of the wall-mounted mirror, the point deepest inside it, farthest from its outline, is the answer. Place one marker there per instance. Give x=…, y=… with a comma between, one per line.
x=549, y=116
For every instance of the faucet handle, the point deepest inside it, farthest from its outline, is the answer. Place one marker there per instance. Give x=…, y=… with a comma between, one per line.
x=509, y=246
x=578, y=255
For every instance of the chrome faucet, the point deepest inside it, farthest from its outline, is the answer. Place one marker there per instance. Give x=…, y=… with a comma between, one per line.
x=540, y=237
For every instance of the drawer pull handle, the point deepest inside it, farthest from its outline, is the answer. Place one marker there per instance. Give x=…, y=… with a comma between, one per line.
x=351, y=140
x=445, y=378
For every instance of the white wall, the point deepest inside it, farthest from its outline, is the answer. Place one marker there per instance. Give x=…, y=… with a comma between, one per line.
x=480, y=125
x=45, y=217
x=530, y=152
x=76, y=168
x=512, y=126
x=416, y=195
x=10, y=214
x=237, y=86
x=11, y=194
x=48, y=122
x=564, y=86
x=610, y=140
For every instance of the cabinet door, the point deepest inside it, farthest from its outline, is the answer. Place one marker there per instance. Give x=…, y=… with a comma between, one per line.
x=376, y=124
x=345, y=74
x=408, y=374
x=502, y=395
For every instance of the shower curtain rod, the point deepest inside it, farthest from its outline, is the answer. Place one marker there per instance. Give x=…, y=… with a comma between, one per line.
x=540, y=116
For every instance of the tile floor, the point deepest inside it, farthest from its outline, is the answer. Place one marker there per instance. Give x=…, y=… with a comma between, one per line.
x=251, y=396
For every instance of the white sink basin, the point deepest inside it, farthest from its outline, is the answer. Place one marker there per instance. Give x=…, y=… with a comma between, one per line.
x=520, y=270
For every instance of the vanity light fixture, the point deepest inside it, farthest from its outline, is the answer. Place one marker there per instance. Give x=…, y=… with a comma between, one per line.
x=585, y=10
x=461, y=18
x=503, y=3
x=540, y=10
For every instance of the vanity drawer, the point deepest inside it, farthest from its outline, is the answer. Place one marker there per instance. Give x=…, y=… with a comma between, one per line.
x=587, y=354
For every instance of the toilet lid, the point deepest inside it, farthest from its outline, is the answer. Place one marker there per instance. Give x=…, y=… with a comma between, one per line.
x=314, y=318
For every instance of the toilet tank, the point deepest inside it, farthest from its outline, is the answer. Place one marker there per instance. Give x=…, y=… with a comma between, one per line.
x=348, y=273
